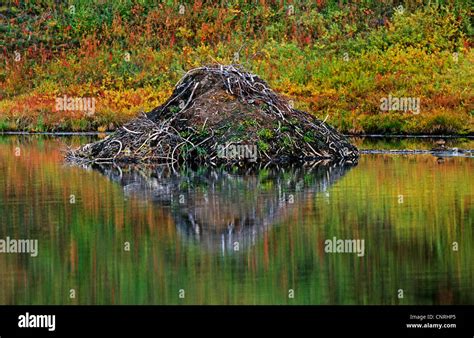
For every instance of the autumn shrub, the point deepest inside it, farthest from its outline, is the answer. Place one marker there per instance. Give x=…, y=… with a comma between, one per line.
x=335, y=59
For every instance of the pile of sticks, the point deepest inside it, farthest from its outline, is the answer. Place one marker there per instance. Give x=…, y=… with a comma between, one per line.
x=247, y=87
x=164, y=135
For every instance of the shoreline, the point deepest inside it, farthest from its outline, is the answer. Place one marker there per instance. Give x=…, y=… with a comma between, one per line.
x=97, y=133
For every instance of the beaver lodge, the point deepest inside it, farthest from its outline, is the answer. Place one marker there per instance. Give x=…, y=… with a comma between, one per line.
x=220, y=115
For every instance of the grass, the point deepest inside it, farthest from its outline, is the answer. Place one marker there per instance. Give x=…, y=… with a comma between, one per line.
x=331, y=60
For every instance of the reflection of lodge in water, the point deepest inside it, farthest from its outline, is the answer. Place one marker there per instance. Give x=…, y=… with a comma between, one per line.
x=224, y=210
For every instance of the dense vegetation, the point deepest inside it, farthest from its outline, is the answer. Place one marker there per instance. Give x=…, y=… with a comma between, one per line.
x=334, y=59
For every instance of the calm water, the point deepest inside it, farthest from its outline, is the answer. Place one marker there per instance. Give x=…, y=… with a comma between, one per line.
x=121, y=236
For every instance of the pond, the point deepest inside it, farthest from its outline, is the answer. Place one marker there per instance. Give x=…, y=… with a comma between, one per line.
x=112, y=235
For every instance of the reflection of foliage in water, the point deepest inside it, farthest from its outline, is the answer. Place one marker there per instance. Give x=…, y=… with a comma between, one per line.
x=419, y=143
x=408, y=245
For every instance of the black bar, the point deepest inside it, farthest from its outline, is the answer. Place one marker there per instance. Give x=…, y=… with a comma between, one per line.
x=316, y=321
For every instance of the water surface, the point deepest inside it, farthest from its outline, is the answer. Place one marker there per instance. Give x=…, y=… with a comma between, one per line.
x=122, y=236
